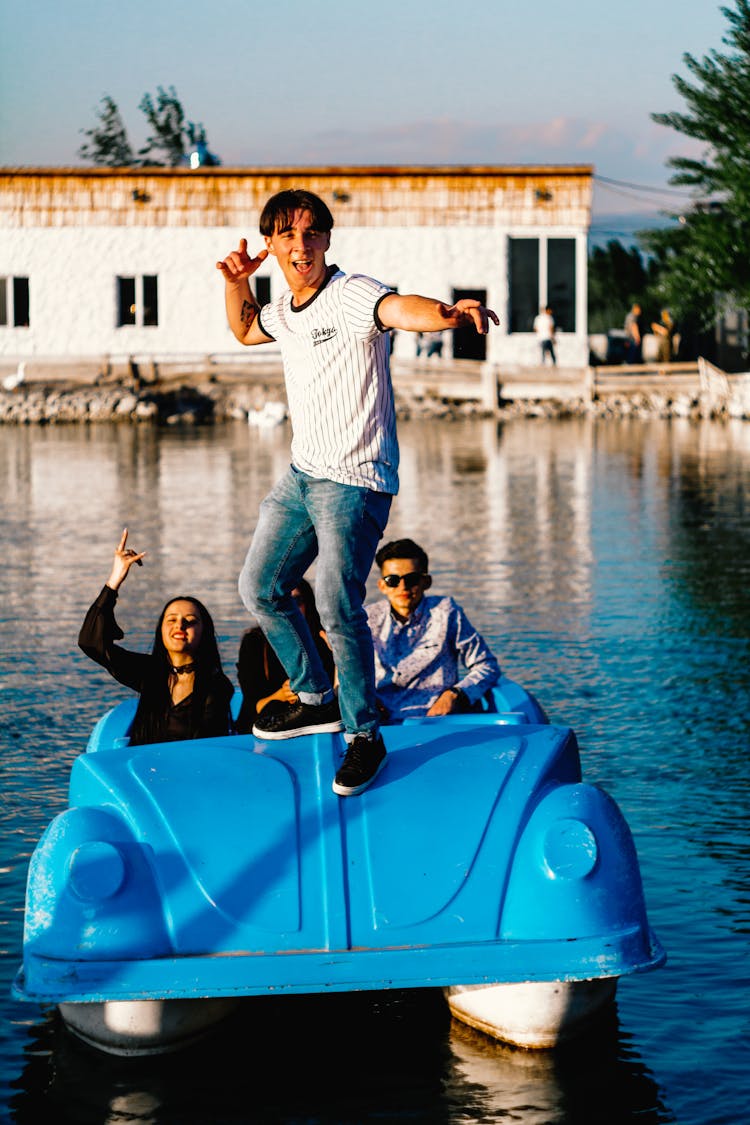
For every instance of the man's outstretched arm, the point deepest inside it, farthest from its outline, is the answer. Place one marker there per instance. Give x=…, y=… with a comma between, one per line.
x=411, y=313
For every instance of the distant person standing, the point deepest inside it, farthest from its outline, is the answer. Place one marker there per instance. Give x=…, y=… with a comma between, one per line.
x=434, y=341
x=634, y=335
x=544, y=327
x=664, y=329
x=429, y=344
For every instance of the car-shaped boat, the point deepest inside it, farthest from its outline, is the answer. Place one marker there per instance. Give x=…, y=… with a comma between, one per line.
x=187, y=875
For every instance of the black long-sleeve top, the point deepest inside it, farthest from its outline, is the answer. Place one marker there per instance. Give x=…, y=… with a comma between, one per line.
x=202, y=714
x=260, y=673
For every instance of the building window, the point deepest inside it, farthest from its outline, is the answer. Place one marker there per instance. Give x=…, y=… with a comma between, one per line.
x=14, y=301
x=137, y=301
x=561, y=282
x=150, y=301
x=542, y=272
x=524, y=283
x=262, y=290
x=125, y=301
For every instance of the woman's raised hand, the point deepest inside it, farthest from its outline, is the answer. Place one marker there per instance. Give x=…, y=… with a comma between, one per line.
x=124, y=558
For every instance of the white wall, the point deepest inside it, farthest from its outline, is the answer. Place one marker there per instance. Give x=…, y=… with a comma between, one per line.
x=73, y=293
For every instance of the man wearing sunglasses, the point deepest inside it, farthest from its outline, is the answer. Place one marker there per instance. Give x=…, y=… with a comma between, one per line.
x=429, y=658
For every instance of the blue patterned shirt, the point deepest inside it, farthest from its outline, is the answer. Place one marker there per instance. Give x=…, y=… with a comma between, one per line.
x=417, y=659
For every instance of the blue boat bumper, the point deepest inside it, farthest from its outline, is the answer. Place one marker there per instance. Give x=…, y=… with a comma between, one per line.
x=51, y=981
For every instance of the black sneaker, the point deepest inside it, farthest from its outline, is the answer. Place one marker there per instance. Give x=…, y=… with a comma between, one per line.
x=364, y=760
x=300, y=718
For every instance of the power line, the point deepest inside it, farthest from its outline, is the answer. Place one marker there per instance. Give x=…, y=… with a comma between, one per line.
x=633, y=195
x=641, y=187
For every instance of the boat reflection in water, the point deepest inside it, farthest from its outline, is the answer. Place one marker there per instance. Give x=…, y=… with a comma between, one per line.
x=407, y=1061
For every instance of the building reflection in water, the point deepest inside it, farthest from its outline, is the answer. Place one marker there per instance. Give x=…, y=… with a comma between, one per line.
x=518, y=520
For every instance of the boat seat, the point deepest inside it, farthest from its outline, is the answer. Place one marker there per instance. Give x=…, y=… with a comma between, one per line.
x=506, y=703
x=112, y=732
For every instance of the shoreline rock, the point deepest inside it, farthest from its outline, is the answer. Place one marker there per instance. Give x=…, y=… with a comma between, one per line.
x=209, y=402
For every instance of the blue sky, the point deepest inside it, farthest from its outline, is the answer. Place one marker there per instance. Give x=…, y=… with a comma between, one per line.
x=337, y=81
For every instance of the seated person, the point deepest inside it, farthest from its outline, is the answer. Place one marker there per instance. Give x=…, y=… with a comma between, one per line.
x=429, y=658
x=183, y=691
x=263, y=682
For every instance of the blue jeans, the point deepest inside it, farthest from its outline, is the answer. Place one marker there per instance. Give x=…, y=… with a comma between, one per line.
x=301, y=518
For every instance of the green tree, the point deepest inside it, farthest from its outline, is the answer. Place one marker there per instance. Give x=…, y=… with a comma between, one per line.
x=107, y=143
x=705, y=259
x=169, y=130
x=170, y=138
x=616, y=277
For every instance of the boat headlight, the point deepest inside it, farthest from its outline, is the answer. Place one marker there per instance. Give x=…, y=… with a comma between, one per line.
x=96, y=871
x=570, y=849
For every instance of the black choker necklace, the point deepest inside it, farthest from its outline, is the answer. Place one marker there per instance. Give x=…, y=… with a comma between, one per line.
x=182, y=669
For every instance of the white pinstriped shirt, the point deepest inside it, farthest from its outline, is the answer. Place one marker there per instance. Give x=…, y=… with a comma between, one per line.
x=338, y=382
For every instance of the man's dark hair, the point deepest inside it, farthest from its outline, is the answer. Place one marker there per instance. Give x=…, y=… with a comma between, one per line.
x=278, y=213
x=404, y=549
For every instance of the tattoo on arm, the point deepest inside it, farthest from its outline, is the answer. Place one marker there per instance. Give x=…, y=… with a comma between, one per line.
x=248, y=312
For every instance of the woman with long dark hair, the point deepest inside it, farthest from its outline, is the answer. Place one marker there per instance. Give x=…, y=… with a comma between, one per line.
x=183, y=690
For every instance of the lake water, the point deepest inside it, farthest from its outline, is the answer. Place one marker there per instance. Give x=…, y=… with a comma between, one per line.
x=609, y=565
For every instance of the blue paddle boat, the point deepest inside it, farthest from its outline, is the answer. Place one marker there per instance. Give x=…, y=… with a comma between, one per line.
x=185, y=876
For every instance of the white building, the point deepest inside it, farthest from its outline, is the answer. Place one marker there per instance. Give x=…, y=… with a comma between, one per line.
x=121, y=262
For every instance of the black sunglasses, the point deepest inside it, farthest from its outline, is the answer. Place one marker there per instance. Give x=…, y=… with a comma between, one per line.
x=410, y=580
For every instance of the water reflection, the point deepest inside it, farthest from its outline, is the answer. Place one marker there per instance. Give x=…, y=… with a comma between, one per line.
x=297, y=1060
x=607, y=563
x=520, y=503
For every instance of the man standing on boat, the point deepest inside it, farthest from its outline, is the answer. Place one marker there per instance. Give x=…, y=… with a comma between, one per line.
x=334, y=501
x=544, y=327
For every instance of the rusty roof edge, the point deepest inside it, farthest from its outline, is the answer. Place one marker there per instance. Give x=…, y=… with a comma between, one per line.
x=289, y=171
